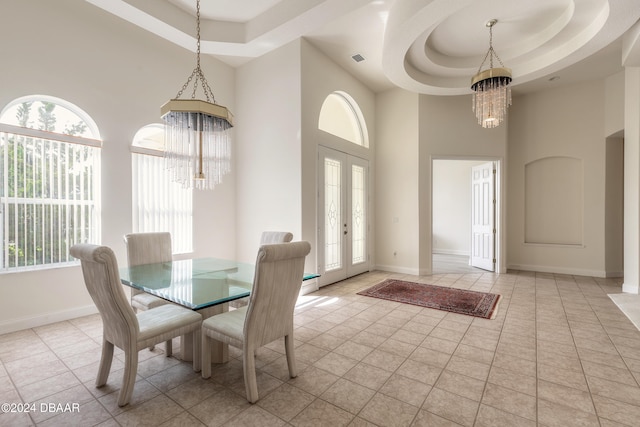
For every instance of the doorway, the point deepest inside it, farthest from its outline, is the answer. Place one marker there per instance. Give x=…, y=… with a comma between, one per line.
x=465, y=219
x=343, y=212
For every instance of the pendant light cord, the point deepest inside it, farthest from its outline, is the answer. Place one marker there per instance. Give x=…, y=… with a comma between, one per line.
x=197, y=74
x=491, y=53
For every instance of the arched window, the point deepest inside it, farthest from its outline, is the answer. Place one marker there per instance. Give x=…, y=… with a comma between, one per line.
x=159, y=204
x=49, y=182
x=340, y=116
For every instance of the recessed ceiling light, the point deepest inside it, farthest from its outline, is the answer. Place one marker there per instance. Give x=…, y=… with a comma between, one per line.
x=357, y=57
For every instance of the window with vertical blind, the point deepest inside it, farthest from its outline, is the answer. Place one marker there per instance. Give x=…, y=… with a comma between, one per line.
x=49, y=182
x=158, y=203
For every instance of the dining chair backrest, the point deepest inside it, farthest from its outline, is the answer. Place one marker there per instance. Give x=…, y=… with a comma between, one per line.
x=148, y=248
x=102, y=279
x=271, y=237
x=276, y=285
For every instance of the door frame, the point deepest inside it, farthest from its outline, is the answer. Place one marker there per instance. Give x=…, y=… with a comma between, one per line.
x=500, y=244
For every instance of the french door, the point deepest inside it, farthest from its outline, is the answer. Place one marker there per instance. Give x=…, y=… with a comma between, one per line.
x=483, y=205
x=343, y=217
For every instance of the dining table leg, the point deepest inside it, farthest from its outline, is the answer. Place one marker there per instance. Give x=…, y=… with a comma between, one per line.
x=219, y=350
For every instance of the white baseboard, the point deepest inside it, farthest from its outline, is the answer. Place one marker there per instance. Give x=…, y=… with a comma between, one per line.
x=630, y=289
x=557, y=270
x=13, y=325
x=451, y=252
x=401, y=270
x=309, y=286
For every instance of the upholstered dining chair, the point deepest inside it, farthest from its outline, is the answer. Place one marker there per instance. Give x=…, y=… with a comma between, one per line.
x=122, y=327
x=147, y=248
x=266, y=238
x=271, y=237
x=268, y=316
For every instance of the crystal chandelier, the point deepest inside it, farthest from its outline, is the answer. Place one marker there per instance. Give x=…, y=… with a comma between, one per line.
x=197, y=133
x=492, y=94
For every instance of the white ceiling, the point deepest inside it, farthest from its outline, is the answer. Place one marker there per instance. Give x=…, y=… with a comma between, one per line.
x=429, y=46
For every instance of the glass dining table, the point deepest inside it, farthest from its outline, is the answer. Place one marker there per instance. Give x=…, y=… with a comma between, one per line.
x=206, y=285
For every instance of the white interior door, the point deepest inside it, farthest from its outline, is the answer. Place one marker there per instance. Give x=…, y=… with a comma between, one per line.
x=343, y=217
x=483, y=217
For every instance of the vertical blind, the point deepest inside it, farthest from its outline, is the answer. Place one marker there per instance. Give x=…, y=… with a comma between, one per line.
x=49, y=197
x=160, y=204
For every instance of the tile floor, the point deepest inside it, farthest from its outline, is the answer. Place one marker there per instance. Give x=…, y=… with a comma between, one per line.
x=559, y=353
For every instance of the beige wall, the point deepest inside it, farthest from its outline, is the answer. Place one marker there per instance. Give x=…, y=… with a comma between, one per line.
x=120, y=75
x=567, y=122
x=268, y=148
x=397, y=164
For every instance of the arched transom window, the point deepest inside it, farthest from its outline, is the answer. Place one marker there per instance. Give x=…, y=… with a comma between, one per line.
x=340, y=116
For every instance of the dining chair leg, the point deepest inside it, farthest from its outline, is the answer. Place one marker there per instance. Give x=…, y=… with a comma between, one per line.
x=205, y=356
x=186, y=346
x=291, y=356
x=197, y=353
x=129, y=376
x=249, y=368
x=105, y=363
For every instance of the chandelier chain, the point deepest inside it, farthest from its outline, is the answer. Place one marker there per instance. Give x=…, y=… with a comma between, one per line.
x=491, y=53
x=197, y=76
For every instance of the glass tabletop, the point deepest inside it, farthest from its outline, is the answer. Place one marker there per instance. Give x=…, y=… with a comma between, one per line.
x=194, y=283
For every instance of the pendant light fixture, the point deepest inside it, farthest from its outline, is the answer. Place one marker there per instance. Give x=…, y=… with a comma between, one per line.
x=492, y=93
x=197, y=132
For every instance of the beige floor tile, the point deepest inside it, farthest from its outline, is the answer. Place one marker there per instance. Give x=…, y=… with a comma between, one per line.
x=621, y=375
x=327, y=341
x=489, y=416
x=253, y=417
x=426, y=374
x=510, y=401
x=470, y=368
x=356, y=350
x=348, y=395
x=439, y=344
x=219, y=408
x=406, y=390
x=383, y=360
x=557, y=415
x=386, y=411
x=194, y=391
x=451, y=407
x=428, y=419
x=614, y=390
x=314, y=380
x=461, y=385
x=320, y=413
x=336, y=363
x=430, y=357
x=368, y=375
x=184, y=419
x=286, y=401
x=513, y=380
x=564, y=377
x=566, y=396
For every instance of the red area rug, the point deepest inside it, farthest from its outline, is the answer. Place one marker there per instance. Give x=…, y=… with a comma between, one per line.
x=463, y=301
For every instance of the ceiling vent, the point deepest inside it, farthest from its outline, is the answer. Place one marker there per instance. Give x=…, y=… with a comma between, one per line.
x=357, y=57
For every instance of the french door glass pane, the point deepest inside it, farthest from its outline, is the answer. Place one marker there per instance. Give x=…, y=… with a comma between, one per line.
x=332, y=191
x=358, y=218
